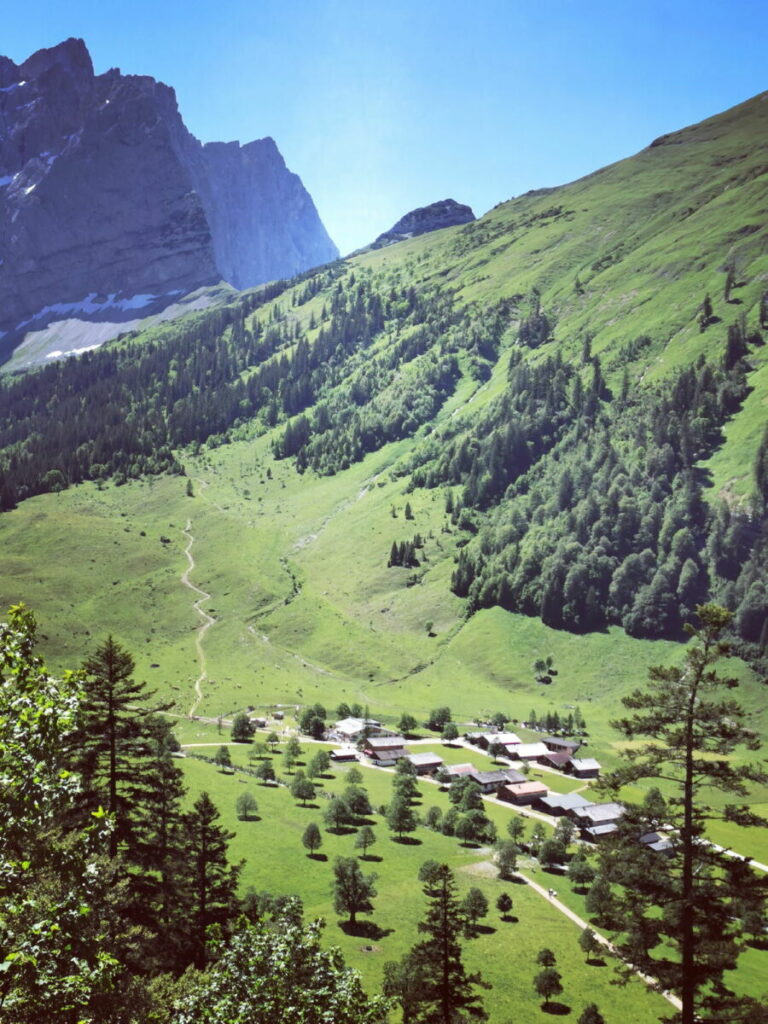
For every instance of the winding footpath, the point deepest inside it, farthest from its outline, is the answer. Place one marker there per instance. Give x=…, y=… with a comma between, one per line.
x=208, y=620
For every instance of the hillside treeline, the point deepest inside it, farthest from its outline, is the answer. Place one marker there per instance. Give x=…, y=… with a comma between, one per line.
x=579, y=504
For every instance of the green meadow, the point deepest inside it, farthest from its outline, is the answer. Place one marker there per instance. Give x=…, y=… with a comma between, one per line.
x=304, y=606
x=505, y=952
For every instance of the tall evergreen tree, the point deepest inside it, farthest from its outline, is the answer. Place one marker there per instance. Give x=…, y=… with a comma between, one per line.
x=112, y=742
x=692, y=730
x=209, y=890
x=445, y=993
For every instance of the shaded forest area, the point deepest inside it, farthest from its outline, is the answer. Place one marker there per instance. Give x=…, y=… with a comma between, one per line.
x=576, y=504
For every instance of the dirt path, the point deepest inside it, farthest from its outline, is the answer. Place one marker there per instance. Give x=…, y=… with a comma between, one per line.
x=208, y=620
x=549, y=895
x=310, y=538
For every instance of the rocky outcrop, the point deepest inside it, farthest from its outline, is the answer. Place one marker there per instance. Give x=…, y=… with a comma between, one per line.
x=443, y=214
x=108, y=204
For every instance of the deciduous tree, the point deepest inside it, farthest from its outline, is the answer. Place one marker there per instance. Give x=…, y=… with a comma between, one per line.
x=279, y=973
x=312, y=838
x=353, y=891
x=246, y=806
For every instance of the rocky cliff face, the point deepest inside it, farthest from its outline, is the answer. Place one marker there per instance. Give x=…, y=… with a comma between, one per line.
x=443, y=214
x=108, y=205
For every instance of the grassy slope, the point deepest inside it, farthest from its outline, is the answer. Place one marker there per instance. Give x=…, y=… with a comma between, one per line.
x=296, y=566
x=277, y=862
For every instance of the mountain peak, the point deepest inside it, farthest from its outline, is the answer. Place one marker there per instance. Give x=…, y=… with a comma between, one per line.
x=443, y=214
x=104, y=192
x=72, y=55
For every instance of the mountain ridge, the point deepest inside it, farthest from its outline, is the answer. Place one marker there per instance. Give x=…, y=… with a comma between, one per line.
x=514, y=364
x=104, y=192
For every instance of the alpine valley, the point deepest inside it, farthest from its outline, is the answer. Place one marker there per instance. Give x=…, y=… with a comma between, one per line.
x=399, y=480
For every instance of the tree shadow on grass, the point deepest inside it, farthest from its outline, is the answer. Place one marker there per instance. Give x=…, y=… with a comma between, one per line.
x=371, y=857
x=510, y=918
x=308, y=807
x=406, y=840
x=318, y=856
x=342, y=830
x=365, y=929
x=484, y=929
x=757, y=943
x=596, y=961
x=249, y=817
x=556, y=1009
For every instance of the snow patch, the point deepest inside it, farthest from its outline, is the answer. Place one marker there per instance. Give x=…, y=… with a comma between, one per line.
x=30, y=189
x=12, y=87
x=89, y=305
x=58, y=354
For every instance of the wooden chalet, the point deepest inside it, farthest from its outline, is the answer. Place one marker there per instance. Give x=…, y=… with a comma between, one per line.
x=522, y=793
x=583, y=767
x=561, y=743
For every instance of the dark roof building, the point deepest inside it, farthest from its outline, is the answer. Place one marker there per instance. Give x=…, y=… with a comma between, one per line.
x=563, y=803
x=488, y=782
x=556, y=759
x=559, y=743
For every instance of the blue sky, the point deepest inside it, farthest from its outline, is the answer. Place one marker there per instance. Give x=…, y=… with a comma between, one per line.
x=381, y=108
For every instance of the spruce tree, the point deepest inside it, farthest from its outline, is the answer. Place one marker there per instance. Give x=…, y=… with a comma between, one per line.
x=208, y=891
x=431, y=982
x=112, y=745
x=692, y=730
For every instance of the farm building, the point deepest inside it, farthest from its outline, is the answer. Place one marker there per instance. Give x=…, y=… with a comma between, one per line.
x=657, y=843
x=558, y=759
x=485, y=740
x=523, y=793
x=455, y=770
x=528, y=751
x=350, y=730
x=583, y=767
x=340, y=756
x=559, y=743
x=597, y=832
x=425, y=764
x=385, y=751
x=489, y=782
x=562, y=803
x=596, y=815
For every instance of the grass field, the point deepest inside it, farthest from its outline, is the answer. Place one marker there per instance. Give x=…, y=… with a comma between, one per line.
x=306, y=609
x=304, y=606
x=276, y=862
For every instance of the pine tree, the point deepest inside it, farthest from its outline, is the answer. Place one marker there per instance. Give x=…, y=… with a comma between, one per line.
x=112, y=742
x=692, y=730
x=445, y=992
x=209, y=889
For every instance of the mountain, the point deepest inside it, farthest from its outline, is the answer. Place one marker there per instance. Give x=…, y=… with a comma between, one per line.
x=110, y=209
x=568, y=393
x=444, y=214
